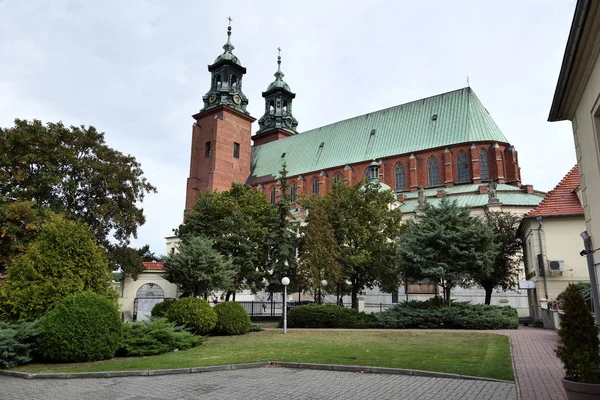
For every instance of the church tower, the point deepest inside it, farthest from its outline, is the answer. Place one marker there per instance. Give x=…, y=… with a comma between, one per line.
x=222, y=131
x=278, y=121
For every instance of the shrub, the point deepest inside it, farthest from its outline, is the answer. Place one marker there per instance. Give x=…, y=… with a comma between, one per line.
x=578, y=343
x=232, y=318
x=420, y=315
x=17, y=343
x=160, y=309
x=82, y=327
x=255, y=328
x=193, y=313
x=148, y=338
x=329, y=316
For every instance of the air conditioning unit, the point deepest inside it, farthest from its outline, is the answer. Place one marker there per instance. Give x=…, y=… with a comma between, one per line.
x=556, y=265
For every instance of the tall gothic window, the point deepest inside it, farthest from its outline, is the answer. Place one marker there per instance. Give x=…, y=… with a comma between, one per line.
x=293, y=193
x=273, y=199
x=338, y=178
x=462, y=167
x=400, y=177
x=315, y=186
x=484, y=170
x=433, y=169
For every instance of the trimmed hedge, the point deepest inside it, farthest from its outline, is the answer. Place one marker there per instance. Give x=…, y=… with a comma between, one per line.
x=160, y=309
x=193, y=313
x=419, y=315
x=329, y=316
x=232, y=319
x=148, y=338
x=17, y=343
x=82, y=327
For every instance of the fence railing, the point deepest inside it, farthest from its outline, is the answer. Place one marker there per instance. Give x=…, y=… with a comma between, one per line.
x=263, y=309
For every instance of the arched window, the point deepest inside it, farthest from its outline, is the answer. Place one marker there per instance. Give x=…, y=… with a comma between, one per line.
x=150, y=291
x=338, y=178
x=367, y=173
x=272, y=108
x=284, y=110
x=433, y=169
x=234, y=82
x=273, y=199
x=315, y=186
x=261, y=188
x=293, y=193
x=400, y=177
x=218, y=81
x=462, y=167
x=484, y=170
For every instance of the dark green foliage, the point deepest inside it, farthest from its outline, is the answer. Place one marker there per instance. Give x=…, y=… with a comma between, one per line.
x=232, y=318
x=193, y=313
x=329, y=316
x=424, y=315
x=17, y=343
x=198, y=268
x=238, y=221
x=160, y=310
x=82, y=327
x=447, y=246
x=578, y=344
x=127, y=259
x=581, y=286
x=62, y=260
x=255, y=328
x=149, y=338
x=71, y=170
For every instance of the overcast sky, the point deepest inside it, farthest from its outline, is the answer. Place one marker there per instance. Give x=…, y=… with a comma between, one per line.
x=137, y=70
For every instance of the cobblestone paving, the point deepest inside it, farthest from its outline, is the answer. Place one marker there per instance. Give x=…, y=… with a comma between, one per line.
x=258, y=383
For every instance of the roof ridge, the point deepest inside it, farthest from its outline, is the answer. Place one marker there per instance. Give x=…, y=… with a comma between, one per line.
x=385, y=109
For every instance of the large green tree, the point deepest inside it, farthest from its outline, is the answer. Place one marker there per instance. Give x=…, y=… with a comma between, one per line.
x=364, y=225
x=72, y=170
x=447, y=246
x=238, y=221
x=282, y=239
x=506, y=265
x=197, y=268
x=64, y=259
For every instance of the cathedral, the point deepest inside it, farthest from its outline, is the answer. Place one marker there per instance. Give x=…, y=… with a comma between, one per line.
x=446, y=144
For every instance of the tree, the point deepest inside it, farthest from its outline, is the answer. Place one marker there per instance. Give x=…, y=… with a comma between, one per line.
x=318, y=256
x=126, y=259
x=73, y=171
x=198, y=268
x=282, y=239
x=447, y=246
x=20, y=224
x=62, y=260
x=238, y=221
x=364, y=224
x=146, y=255
x=506, y=264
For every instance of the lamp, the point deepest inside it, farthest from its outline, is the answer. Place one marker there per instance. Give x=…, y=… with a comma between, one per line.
x=285, y=281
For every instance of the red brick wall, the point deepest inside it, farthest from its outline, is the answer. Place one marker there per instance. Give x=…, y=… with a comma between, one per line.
x=270, y=136
x=222, y=127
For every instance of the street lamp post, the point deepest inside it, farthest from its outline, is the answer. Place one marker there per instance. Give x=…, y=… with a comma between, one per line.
x=285, y=282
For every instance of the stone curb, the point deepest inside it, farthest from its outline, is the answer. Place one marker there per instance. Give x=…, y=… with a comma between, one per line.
x=272, y=364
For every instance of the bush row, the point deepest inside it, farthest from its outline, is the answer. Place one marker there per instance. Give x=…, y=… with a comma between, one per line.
x=414, y=314
x=87, y=327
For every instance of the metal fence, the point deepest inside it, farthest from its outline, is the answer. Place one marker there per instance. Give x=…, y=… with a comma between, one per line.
x=263, y=308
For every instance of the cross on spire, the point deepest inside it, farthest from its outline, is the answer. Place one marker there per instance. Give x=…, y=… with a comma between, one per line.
x=279, y=51
x=230, y=20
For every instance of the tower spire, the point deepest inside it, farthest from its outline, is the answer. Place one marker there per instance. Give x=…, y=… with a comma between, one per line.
x=279, y=75
x=228, y=47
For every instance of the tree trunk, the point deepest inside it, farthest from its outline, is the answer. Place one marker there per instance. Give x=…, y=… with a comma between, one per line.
x=354, y=297
x=447, y=295
x=228, y=296
x=488, y=294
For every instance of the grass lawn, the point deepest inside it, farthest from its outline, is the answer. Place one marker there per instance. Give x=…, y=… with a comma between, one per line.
x=475, y=354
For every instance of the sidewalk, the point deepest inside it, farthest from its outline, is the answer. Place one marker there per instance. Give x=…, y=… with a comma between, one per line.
x=538, y=370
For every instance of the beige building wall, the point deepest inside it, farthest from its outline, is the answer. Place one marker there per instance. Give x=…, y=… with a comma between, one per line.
x=130, y=288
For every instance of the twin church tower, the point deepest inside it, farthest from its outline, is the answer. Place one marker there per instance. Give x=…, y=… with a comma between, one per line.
x=221, y=135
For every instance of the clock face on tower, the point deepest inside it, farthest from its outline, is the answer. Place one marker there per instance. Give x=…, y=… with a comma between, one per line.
x=212, y=98
x=237, y=99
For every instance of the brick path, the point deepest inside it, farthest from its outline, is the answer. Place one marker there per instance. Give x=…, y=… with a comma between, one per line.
x=539, y=371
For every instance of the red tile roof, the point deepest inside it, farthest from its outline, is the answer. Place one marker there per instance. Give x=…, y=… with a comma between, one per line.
x=562, y=200
x=153, y=266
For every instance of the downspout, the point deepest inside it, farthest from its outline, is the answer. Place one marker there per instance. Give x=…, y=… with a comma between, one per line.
x=589, y=255
x=539, y=220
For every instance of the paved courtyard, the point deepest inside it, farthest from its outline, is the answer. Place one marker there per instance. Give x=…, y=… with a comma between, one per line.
x=258, y=383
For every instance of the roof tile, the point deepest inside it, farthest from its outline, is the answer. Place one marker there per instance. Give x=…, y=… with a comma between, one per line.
x=562, y=200
x=153, y=266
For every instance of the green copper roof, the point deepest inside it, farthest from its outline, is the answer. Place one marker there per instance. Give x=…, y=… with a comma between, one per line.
x=278, y=83
x=227, y=53
x=467, y=195
x=442, y=120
